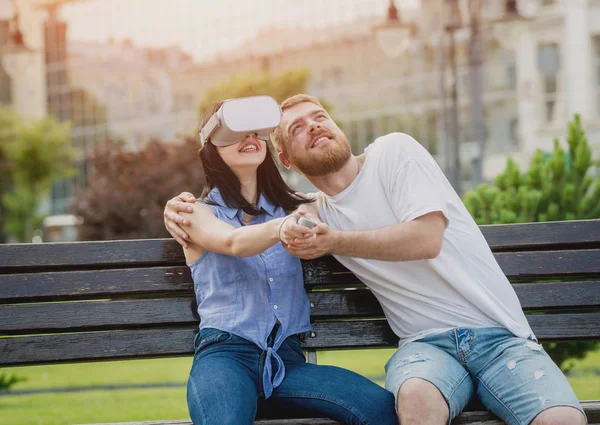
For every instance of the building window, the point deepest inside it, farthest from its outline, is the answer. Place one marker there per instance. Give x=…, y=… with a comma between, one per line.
x=549, y=67
x=511, y=75
x=513, y=132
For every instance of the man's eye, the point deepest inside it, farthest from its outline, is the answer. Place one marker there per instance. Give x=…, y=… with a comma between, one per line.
x=296, y=130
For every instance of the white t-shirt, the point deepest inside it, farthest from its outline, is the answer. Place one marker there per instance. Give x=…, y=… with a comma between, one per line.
x=462, y=287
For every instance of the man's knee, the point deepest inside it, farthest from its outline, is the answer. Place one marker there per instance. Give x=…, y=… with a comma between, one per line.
x=419, y=397
x=561, y=415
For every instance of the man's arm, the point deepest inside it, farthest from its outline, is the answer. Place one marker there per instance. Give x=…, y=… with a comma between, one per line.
x=173, y=221
x=419, y=239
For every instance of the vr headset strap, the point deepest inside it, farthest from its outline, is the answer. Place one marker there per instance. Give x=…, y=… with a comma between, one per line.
x=209, y=128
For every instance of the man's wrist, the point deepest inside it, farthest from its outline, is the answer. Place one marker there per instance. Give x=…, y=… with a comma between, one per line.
x=336, y=238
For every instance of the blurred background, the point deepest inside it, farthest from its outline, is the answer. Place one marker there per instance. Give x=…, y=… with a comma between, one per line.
x=100, y=102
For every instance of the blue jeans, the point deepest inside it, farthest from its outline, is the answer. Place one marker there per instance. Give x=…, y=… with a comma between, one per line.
x=225, y=386
x=512, y=377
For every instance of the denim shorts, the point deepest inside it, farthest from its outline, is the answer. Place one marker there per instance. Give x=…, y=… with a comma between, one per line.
x=512, y=377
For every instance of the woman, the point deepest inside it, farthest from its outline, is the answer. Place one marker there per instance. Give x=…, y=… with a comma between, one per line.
x=253, y=307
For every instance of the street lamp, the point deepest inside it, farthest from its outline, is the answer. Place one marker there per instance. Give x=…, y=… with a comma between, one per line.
x=393, y=35
x=509, y=27
x=16, y=56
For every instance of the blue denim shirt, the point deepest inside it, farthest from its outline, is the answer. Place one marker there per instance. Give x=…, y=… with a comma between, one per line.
x=247, y=296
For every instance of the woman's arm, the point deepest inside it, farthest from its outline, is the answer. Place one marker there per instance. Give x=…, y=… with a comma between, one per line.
x=212, y=234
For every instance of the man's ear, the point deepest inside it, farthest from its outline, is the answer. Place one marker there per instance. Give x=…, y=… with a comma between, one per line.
x=284, y=160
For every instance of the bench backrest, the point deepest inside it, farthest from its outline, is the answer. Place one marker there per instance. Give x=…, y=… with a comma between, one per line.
x=128, y=299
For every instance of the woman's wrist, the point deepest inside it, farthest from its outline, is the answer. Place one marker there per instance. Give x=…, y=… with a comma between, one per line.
x=282, y=222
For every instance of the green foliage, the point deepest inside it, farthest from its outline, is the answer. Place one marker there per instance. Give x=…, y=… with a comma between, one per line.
x=8, y=380
x=33, y=155
x=560, y=186
x=128, y=192
x=18, y=203
x=9, y=122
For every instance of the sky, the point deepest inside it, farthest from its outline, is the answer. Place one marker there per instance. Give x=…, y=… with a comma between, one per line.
x=202, y=27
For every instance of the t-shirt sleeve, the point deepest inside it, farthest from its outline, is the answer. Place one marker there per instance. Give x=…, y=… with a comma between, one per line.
x=419, y=187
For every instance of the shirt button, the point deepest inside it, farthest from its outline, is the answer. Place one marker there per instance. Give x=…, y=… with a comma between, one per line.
x=270, y=279
x=275, y=306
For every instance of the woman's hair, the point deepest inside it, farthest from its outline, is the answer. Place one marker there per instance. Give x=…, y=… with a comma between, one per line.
x=218, y=174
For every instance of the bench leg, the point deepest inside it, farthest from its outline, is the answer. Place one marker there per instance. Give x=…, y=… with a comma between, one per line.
x=311, y=356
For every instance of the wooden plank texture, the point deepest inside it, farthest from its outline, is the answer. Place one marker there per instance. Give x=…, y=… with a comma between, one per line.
x=569, y=264
x=97, y=346
x=54, y=286
x=585, y=233
x=91, y=315
x=24, y=350
x=99, y=254
x=360, y=303
x=176, y=281
x=550, y=235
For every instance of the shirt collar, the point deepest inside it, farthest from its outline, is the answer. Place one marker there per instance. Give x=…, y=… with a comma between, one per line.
x=263, y=204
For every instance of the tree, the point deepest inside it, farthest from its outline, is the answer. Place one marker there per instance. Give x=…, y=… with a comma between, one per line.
x=557, y=187
x=561, y=187
x=127, y=191
x=35, y=154
x=9, y=122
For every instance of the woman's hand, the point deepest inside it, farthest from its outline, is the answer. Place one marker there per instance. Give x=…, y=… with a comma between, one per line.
x=174, y=221
x=290, y=230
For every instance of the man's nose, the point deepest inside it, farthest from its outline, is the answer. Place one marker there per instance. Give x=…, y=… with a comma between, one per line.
x=313, y=126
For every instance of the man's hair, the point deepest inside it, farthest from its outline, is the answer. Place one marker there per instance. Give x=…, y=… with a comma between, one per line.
x=278, y=136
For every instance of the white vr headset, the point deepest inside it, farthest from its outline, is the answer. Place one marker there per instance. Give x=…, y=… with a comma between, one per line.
x=237, y=118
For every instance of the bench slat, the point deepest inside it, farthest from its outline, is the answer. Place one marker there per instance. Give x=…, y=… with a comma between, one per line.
x=533, y=296
x=23, y=287
x=92, y=315
x=516, y=265
x=103, y=315
x=376, y=333
x=178, y=341
x=97, y=346
x=98, y=254
x=53, y=286
x=106, y=254
x=592, y=410
x=549, y=235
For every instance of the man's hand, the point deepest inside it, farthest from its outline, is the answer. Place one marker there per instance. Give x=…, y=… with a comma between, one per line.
x=173, y=221
x=322, y=244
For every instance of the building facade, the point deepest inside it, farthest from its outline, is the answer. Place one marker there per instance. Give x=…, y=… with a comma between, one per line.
x=535, y=77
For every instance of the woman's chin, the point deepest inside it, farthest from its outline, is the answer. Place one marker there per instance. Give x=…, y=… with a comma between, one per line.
x=250, y=161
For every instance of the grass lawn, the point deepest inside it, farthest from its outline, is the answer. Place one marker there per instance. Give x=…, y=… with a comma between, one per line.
x=94, y=407
x=169, y=403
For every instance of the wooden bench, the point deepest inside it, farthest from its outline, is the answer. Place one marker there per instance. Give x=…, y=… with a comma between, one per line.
x=89, y=301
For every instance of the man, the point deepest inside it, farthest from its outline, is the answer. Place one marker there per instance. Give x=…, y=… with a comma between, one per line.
x=393, y=219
